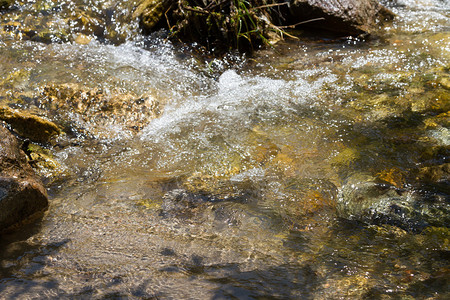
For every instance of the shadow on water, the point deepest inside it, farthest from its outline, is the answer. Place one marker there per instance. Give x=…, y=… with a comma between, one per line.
x=279, y=282
x=23, y=272
x=137, y=292
x=19, y=256
x=20, y=234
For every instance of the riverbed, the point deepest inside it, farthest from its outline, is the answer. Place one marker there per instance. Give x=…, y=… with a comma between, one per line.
x=219, y=178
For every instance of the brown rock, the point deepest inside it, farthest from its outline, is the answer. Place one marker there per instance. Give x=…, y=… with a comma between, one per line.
x=29, y=126
x=96, y=111
x=21, y=192
x=151, y=12
x=343, y=16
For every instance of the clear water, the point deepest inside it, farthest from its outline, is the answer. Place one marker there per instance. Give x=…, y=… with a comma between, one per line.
x=230, y=191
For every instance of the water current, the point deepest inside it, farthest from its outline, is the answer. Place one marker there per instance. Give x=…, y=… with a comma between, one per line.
x=219, y=178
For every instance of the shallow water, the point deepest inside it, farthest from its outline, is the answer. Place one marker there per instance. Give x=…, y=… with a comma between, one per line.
x=230, y=190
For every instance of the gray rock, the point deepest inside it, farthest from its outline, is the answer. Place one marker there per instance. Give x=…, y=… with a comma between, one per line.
x=21, y=192
x=364, y=199
x=343, y=16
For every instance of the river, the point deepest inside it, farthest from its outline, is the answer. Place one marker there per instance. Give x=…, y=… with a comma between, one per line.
x=218, y=178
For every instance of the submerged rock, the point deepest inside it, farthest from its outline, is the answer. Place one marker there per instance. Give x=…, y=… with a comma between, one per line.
x=46, y=166
x=21, y=192
x=217, y=187
x=29, y=126
x=182, y=204
x=367, y=200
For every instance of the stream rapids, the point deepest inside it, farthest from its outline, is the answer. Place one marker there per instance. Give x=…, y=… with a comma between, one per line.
x=219, y=178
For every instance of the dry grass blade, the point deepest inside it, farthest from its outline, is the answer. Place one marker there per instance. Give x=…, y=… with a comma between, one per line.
x=301, y=23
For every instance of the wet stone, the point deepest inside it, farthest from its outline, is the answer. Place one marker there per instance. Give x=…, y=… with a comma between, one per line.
x=150, y=12
x=343, y=16
x=28, y=125
x=95, y=112
x=364, y=198
x=48, y=167
x=182, y=204
x=22, y=194
x=4, y=4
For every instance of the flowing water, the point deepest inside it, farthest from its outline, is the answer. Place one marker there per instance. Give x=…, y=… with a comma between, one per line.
x=224, y=185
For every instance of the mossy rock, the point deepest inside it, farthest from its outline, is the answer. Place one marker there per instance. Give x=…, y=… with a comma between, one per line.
x=345, y=158
x=445, y=82
x=53, y=22
x=437, y=238
x=434, y=174
x=82, y=39
x=48, y=37
x=94, y=111
x=86, y=23
x=216, y=187
x=151, y=12
x=37, y=30
x=437, y=101
x=29, y=126
x=45, y=164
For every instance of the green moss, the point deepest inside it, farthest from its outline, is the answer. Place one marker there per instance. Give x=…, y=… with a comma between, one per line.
x=45, y=164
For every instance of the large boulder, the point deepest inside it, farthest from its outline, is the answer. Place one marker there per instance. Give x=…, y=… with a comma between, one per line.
x=350, y=17
x=22, y=194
